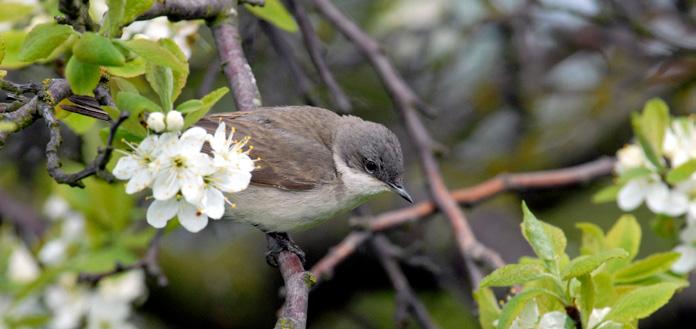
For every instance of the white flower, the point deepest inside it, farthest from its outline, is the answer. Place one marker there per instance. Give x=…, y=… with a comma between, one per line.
x=596, y=320
x=553, y=320
x=140, y=166
x=67, y=301
x=175, y=121
x=126, y=288
x=155, y=121
x=105, y=313
x=657, y=195
x=230, y=153
x=22, y=267
x=630, y=156
x=55, y=207
x=529, y=319
x=53, y=252
x=190, y=217
x=182, y=166
x=687, y=261
x=680, y=142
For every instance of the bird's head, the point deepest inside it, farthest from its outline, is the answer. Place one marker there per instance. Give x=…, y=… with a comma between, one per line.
x=372, y=150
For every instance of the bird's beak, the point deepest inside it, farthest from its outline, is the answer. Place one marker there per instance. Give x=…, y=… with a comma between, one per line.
x=402, y=192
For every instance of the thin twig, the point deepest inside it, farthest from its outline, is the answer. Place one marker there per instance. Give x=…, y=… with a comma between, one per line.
x=281, y=47
x=406, y=300
x=313, y=45
x=148, y=262
x=468, y=196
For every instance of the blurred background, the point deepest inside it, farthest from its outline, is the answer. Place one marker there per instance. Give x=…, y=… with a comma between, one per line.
x=519, y=85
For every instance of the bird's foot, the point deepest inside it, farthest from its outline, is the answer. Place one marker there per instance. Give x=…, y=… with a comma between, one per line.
x=279, y=242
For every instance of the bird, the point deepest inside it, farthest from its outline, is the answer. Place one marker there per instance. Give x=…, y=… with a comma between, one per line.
x=312, y=164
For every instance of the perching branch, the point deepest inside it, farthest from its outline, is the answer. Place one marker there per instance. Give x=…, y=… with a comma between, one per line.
x=177, y=10
x=148, y=262
x=313, y=45
x=467, y=196
x=297, y=285
x=406, y=102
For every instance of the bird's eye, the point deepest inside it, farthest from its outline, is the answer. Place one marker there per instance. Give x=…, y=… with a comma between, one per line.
x=370, y=166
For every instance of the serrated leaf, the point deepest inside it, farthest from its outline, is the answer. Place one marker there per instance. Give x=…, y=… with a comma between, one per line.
x=488, y=307
x=13, y=12
x=94, y=49
x=208, y=102
x=654, y=123
x=642, y=302
x=275, y=13
x=587, y=297
x=514, y=306
x=592, y=238
x=533, y=230
x=191, y=105
x=180, y=75
x=558, y=239
x=43, y=40
x=83, y=77
x=155, y=53
x=646, y=267
x=625, y=234
x=682, y=172
x=130, y=69
x=585, y=264
x=512, y=274
x=607, y=194
x=161, y=80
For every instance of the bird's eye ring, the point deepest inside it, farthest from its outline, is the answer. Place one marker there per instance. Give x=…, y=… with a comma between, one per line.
x=370, y=166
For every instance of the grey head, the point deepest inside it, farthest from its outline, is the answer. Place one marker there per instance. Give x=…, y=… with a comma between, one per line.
x=372, y=149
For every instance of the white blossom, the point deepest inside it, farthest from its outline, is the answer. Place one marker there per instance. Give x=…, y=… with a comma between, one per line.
x=529, y=318
x=155, y=121
x=139, y=167
x=175, y=121
x=191, y=217
x=22, y=267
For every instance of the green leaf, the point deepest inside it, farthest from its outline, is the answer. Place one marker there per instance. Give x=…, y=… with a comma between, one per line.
x=533, y=230
x=191, y=105
x=180, y=75
x=665, y=226
x=2, y=49
x=650, y=152
x=135, y=8
x=585, y=264
x=130, y=69
x=607, y=194
x=135, y=104
x=162, y=82
x=102, y=260
x=634, y=173
x=13, y=12
x=114, y=16
x=208, y=101
x=558, y=239
x=80, y=124
x=275, y=13
x=642, y=302
x=514, y=306
x=43, y=40
x=604, y=283
x=155, y=53
x=654, y=122
x=592, y=238
x=646, y=267
x=625, y=234
x=682, y=172
x=512, y=274
x=488, y=307
x=587, y=297
x=83, y=77
x=13, y=45
x=95, y=49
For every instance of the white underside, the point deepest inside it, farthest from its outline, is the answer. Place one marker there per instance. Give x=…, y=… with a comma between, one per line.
x=280, y=211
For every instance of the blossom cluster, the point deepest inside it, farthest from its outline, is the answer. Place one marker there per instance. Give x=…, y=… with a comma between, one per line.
x=653, y=182
x=64, y=303
x=185, y=181
x=529, y=318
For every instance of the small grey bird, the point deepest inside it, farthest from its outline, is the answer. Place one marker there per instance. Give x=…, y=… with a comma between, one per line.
x=313, y=164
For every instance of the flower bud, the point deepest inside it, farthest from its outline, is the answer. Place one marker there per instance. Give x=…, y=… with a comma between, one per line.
x=155, y=121
x=175, y=121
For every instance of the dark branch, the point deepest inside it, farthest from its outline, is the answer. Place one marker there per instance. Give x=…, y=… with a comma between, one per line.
x=313, y=45
x=177, y=10
x=148, y=262
x=298, y=282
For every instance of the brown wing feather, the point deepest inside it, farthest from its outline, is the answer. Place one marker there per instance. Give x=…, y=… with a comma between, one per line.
x=292, y=155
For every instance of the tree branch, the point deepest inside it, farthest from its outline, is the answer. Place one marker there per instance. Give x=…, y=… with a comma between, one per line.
x=297, y=285
x=468, y=196
x=313, y=45
x=177, y=10
x=148, y=262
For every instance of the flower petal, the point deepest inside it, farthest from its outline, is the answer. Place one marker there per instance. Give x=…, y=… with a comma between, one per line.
x=218, y=141
x=192, y=187
x=191, y=218
x=677, y=204
x=214, y=203
x=553, y=320
x=687, y=262
x=657, y=197
x=140, y=180
x=192, y=140
x=126, y=167
x=631, y=195
x=232, y=181
x=166, y=185
x=160, y=212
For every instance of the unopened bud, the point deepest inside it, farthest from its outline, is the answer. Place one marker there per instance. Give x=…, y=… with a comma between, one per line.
x=175, y=121
x=155, y=121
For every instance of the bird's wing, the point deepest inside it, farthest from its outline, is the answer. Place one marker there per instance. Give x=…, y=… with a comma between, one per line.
x=291, y=156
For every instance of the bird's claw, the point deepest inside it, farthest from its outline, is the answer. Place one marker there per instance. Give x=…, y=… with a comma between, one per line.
x=279, y=242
